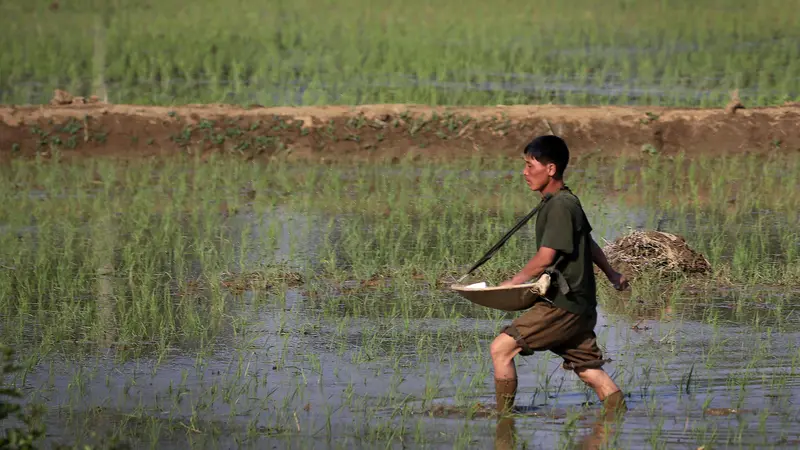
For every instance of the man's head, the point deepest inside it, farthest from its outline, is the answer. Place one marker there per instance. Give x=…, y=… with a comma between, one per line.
x=546, y=158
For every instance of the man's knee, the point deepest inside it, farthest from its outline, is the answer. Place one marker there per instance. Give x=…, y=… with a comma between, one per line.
x=503, y=347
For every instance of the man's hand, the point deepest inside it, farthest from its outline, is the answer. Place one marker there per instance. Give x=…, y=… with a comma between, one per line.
x=506, y=283
x=618, y=280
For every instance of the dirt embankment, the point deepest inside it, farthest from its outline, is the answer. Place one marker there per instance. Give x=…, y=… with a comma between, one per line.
x=387, y=131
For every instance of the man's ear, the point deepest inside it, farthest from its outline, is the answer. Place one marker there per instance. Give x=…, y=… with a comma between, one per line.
x=551, y=170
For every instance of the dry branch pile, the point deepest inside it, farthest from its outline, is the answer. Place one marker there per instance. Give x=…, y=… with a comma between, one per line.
x=655, y=252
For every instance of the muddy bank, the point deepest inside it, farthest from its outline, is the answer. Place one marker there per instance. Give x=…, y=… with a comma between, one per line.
x=380, y=132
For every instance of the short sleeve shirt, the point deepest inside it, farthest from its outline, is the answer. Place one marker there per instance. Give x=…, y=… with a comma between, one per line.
x=563, y=226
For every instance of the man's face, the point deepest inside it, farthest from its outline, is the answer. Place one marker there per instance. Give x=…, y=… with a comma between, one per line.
x=536, y=174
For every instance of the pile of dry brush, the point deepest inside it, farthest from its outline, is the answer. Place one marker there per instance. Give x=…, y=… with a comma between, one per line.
x=655, y=252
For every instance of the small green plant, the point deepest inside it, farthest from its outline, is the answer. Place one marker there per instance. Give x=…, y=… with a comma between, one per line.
x=33, y=431
x=650, y=117
x=649, y=149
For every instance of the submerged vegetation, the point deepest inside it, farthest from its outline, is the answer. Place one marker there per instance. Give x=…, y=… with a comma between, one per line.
x=182, y=302
x=314, y=52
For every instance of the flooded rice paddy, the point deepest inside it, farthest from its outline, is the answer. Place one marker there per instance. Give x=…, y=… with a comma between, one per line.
x=309, y=52
x=225, y=304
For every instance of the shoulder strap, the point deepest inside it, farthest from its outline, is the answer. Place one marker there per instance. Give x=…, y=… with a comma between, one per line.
x=508, y=235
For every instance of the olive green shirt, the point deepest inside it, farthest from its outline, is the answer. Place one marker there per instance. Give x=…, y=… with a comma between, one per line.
x=562, y=225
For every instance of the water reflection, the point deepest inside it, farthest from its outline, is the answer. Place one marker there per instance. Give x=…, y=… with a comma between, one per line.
x=505, y=434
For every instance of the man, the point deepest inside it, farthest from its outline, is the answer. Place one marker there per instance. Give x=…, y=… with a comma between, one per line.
x=563, y=322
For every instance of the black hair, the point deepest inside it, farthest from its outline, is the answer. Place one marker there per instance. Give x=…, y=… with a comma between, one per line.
x=549, y=149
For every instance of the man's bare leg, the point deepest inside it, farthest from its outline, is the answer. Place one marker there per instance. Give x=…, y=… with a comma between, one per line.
x=503, y=350
x=607, y=391
x=598, y=380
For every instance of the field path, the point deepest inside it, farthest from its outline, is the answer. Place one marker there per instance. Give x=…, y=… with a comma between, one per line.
x=388, y=131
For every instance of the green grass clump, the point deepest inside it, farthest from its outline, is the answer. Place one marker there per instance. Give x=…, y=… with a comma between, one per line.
x=312, y=52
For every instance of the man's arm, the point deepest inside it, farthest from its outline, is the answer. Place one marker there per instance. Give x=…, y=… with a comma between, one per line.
x=599, y=257
x=535, y=267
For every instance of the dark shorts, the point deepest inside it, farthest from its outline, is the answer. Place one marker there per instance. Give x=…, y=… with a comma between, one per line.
x=568, y=335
